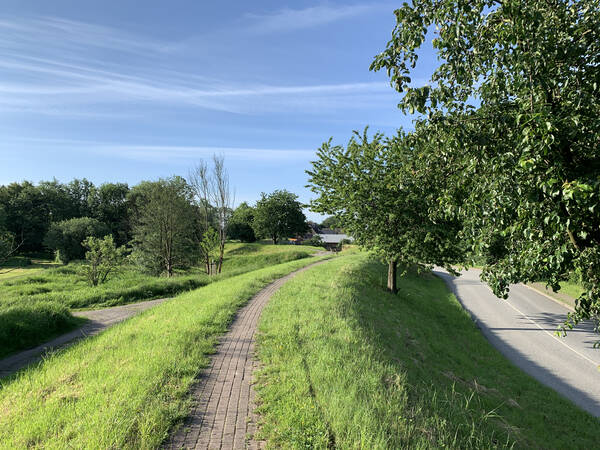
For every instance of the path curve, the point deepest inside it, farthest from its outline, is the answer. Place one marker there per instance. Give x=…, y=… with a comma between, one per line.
x=99, y=319
x=523, y=328
x=222, y=414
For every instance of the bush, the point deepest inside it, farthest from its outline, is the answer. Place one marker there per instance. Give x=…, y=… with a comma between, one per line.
x=66, y=237
x=26, y=325
x=102, y=258
x=316, y=241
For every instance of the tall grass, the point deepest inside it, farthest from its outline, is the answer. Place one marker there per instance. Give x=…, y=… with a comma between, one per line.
x=127, y=387
x=348, y=365
x=33, y=309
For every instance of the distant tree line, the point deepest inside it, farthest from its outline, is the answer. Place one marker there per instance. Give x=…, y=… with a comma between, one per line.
x=164, y=225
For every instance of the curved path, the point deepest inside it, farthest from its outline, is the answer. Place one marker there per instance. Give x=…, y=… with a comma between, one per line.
x=222, y=416
x=99, y=319
x=523, y=328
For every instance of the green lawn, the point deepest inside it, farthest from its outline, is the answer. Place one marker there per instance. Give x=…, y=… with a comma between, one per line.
x=35, y=308
x=349, y=365
x=127, y=387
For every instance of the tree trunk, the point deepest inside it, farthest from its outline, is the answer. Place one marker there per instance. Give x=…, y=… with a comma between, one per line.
x=221, y=253
x=274, y=240
x=391, y=281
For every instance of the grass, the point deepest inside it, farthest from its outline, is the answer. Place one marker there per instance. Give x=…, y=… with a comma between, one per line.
x=22, y=266
x=348, y=365
x=127, y=387
x=35, y=308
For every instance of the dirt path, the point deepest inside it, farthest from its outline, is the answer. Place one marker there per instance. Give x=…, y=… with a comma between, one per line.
x=222, y=417
x=98, y=320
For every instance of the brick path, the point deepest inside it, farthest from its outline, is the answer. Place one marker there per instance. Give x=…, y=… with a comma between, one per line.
x=99, y=319
x=221, y=417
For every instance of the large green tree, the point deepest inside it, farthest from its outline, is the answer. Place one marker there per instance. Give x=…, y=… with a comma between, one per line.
x=109, y=204
x=165, y=222
x=67, y=236
x=278, y=215
x=240, y=224
x=383, y=193
x=514, y=107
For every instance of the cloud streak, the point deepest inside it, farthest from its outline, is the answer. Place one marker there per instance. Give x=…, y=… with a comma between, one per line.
x=286, y=20
x=69, y=75
x=161, y=153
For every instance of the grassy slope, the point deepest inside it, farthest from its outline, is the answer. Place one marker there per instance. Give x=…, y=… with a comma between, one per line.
x=21, y=266
x=347, y=363
x=126, y=387
x=68, y=286
x=35, y=309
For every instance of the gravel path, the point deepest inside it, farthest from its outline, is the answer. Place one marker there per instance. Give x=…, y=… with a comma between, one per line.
x=222, y=416
x=99, y=319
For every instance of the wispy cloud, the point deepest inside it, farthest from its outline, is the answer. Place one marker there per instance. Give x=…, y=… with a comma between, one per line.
x=160, y=153
x=21, y=33
x=69, y=75
x=286, y=19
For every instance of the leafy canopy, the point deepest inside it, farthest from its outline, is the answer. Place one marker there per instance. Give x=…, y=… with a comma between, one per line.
x=513, y=107
x=278, y=215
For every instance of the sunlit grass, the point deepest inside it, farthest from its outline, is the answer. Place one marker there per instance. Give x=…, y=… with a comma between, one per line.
x=349, y=365
x=127, y=387
x=35, y=308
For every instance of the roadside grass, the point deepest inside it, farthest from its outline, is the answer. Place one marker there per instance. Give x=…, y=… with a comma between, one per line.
x=35, y=308
x=128, y=386
x=346, y=364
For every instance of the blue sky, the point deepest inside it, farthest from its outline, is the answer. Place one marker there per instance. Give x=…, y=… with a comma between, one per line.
x=111, y=91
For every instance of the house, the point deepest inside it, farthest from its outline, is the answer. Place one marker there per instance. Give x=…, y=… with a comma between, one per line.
x=332, y=241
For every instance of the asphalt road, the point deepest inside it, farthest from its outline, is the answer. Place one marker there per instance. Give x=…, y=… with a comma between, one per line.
x=523, y=327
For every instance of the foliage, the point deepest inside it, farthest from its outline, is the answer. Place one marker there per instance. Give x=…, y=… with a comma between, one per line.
x=278, y=215
x=240, y=224
x=26, y=325
x=164, y=227
x=109, y=204
x=210, y=246
x=330, y=222
x=67, y=236
x=383, y=194
x=30, y=209
x=136, y=374
x=514, y=107
x=346, y=365
x=102, y=257
x=316, y=241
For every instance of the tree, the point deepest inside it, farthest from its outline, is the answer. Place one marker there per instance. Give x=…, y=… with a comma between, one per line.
x=330, y=222
x=210, y=246
x=109, y=204
x=66, y=237
x=514, y=105
x=27, y=214
x=278, y=215
x=215, y=199
x=240, y=224
x=383, y=195
x=102, y=257
x=223, y=200
x=164, y=227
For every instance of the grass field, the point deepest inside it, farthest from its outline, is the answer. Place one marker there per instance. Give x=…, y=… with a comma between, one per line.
x=20, y=266
x=348, y=365
x=36, y=308
x=127, y=387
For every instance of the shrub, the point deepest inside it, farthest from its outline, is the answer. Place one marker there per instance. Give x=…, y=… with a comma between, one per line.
x=102, y=258
x=26, y=325
x=66, y=237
